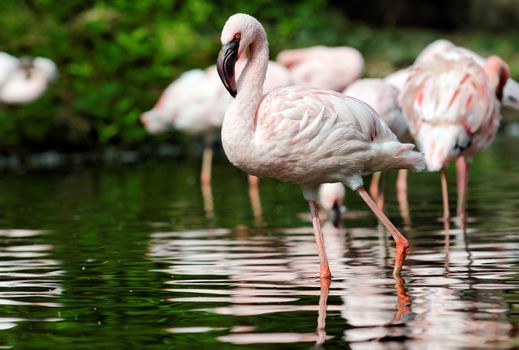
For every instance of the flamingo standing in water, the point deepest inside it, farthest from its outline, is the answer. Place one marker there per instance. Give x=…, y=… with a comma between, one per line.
x=24, y=80
x=452, y=105
x=303, y=135
x=323, y=67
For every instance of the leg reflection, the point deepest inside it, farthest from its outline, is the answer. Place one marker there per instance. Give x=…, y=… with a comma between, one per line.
x=321, y=318
x=403, y=305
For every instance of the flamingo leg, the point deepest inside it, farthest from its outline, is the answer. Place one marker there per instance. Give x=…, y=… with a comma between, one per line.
x=445, y=195
x=255, y=199
x=380, y=198
x=373, y=187
x=207, y=195
x=319, y=240
x=205, y=176
x=401, y=242
x=463, y=179
x=403, y=204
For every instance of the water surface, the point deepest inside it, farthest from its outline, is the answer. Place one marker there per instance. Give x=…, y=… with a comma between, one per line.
x=133, y=257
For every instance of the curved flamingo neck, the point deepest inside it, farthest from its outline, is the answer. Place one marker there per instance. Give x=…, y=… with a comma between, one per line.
x=238, y=125
x=250, y=82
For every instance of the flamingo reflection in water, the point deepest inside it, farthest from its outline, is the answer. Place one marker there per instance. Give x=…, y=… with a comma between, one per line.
x=252, y=275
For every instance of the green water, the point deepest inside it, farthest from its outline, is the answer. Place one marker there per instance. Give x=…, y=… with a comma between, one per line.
x=127, y=257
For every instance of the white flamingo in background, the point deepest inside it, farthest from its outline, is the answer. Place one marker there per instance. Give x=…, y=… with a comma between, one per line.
x=307, y=136
x=24, y=80
x=195, y=104
x=452, y=105
x=323, y=67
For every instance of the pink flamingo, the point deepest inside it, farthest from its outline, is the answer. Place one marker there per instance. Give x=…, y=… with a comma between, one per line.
x=383, y=97
x=323, y=67
x=452, y=105
x=303, y=135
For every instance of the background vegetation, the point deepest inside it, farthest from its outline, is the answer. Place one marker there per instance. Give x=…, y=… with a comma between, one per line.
x=116, y=56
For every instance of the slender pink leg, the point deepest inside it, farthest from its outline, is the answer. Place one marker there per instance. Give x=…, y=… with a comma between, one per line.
x=321, y=249
x=463, y=180
x=380, y=199
x=401, y=190
x=401, y=242
x=255, y=200
x=207, y=195
x=373, y=186
x=205, y=176
x=445, y=195
x=321, y=318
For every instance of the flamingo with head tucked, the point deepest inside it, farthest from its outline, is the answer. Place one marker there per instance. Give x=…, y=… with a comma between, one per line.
x=452, y=105
x=303, y=135
x=24, y=80
x=323, y=67
x=195, y=104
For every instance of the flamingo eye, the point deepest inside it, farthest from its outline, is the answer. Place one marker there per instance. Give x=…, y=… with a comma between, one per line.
x=237, y=36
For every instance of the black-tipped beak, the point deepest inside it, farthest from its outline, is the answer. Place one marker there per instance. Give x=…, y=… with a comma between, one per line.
x=225, y=65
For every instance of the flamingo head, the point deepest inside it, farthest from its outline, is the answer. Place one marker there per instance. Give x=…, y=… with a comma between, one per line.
x=238, y=33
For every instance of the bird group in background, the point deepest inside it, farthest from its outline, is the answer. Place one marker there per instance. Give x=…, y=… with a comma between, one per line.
x=196, y=102
x=310, y=119
x=23, y=80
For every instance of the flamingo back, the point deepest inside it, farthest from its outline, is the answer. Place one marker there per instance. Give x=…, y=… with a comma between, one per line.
x=383, y=97
x=324, y=67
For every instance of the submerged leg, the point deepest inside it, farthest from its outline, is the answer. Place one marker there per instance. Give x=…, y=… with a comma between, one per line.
x=205, y=176
x=463, y=180
x=445, y=195
x=321, y=249
x=401, y=242
x=321, y=318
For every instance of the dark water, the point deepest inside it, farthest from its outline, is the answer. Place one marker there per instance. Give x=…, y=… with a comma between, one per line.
x=131, y=257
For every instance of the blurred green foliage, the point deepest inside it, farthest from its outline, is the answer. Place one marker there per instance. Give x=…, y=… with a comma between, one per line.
x=116, y=56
